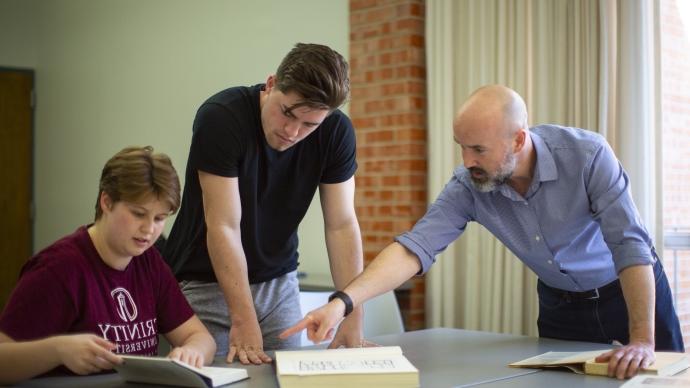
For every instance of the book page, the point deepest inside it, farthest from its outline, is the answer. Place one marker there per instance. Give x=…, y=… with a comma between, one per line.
x=166, y=371
x=657, y=382
x=559, y=358
x=212, y=372
x=343, y=361
x=217, y=373
x=341, y=352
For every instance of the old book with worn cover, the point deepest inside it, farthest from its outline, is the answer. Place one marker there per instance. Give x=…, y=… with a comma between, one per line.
x=166, y=371
x=364, y=367
x=667, y=363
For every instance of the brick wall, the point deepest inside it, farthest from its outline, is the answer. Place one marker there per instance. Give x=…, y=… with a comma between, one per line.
x=675, y=83
x=388, y=109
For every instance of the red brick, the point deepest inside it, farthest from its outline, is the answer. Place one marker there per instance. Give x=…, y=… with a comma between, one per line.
x=364, y=123
x=412, y=24
x=356, y=5
x=385, y=195
x=411, y=196
x=410, y=134
x=379, y=15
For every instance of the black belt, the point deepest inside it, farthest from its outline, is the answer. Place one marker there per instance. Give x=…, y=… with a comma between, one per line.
x=589, y=294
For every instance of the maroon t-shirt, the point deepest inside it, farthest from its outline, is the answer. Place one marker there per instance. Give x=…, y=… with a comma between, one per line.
x=67, y=288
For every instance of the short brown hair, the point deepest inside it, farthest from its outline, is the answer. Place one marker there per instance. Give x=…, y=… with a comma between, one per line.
x=317, y=73
x=136, y=172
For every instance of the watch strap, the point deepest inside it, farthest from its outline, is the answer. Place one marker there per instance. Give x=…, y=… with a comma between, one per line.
x=345, y=298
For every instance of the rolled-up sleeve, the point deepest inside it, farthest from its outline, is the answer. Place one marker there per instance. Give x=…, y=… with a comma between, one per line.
x=445, y=220
x=608, y=187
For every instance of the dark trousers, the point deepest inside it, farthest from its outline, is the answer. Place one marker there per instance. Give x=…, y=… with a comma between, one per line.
x=601, y=315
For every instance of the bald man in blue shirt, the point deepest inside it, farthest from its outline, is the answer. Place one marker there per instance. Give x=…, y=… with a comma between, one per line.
x=559, y=199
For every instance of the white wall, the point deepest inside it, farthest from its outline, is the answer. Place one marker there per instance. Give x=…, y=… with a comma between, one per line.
x=18, y=36
x=115, y=73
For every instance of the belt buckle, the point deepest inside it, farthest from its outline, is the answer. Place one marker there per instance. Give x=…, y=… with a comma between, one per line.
x=596, y=295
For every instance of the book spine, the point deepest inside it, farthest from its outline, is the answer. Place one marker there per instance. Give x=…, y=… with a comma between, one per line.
x=597, y=368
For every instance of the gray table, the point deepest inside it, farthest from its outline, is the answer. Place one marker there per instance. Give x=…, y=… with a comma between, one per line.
x=463, y=358
x=444, y=357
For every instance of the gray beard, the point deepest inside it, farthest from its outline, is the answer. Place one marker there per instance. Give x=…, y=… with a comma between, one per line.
x=505, y=171
x=486, y=186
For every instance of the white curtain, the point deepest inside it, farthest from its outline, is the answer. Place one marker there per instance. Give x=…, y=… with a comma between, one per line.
x=630, y=99
x=560, y=55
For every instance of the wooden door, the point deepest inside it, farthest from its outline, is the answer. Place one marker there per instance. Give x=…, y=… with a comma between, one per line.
x=16, y=172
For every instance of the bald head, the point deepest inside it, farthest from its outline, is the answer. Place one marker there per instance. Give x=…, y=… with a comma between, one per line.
x=493, y=107
x=491, y=129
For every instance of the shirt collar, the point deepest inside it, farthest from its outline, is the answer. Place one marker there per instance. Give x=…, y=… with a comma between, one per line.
x=545, y=169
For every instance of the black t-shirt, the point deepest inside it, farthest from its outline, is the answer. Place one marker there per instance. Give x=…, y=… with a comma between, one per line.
x=276, y=188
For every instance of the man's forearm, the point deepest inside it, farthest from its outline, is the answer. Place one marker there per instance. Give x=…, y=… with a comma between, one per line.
x=392, y=267
x=230, y=267
x=637, y=283
x=345, y=254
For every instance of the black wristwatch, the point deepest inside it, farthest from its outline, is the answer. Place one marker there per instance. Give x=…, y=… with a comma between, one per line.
x=345, y=298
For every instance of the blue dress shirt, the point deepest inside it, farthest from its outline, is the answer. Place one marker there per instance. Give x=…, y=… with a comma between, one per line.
x=576, y=227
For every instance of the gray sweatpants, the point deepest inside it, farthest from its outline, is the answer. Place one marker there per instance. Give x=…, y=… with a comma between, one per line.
x=277, y=308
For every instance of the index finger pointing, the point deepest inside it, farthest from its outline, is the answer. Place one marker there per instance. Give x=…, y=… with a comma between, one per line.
x=299, y=326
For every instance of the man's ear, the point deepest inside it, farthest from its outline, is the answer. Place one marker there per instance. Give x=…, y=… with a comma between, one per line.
x=519, y=140
x=270, y=82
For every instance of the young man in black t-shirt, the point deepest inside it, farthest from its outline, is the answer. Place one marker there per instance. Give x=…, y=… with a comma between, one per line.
x=257, y=156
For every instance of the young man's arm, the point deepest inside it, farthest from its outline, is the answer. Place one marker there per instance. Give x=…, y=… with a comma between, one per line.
x=80, y=353
x=192, y=343
x=223, y=212
x=344, y=244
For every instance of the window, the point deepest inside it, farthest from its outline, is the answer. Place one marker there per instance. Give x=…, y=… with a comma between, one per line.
x=675, y=128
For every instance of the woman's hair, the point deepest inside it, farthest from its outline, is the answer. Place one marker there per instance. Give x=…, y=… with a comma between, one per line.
x=317, y=73
x=135, y=173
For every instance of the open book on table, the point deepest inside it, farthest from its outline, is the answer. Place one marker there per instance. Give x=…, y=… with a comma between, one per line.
x=166, y=371
x=666, y=364
x=364, y=367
